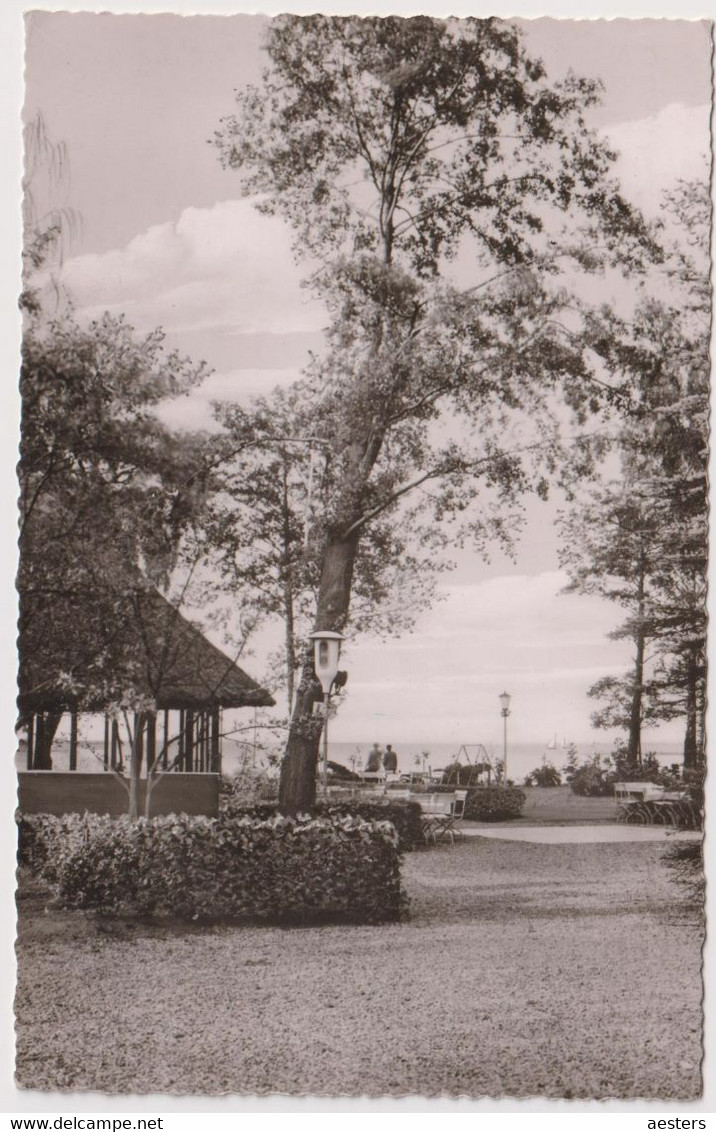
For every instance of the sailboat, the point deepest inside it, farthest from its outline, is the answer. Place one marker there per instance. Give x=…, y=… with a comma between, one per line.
x=552, y=745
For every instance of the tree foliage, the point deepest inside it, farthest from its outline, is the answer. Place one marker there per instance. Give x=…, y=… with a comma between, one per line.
x=261, y=531
x=105, y=489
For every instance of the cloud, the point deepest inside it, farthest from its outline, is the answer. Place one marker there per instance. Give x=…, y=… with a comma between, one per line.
x=522, y=606
x=657, y=151
x=225, y=268
x=512, y=631
x=194, y=412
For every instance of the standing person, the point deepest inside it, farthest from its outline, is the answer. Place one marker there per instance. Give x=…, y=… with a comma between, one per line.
x=375, y=760
x=390, y=760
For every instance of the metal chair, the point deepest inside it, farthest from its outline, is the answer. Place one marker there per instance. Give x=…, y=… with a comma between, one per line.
x=458, y=807
x=674, y=807
x=438, y=817
x=458, y=811
x=631, y=803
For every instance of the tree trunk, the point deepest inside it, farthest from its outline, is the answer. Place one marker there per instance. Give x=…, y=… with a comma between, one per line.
x=133, y=810
x=288, y=587
x=635, y=715
x=136, y=748
x=297, y=789
x=45, y=732
x=701, y=710
x=73, y=740
x=152, y=767
x=289, y=644
x=691, y=749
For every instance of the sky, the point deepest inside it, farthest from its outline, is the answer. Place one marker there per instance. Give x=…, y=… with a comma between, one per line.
x=166, y=240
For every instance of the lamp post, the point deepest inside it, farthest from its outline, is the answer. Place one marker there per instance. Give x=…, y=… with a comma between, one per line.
x=326, y=652
x=504, y=699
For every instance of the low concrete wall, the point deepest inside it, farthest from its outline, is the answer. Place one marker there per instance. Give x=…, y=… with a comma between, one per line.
x=57, y=792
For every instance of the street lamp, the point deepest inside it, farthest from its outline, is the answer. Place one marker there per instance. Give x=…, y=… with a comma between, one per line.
x=326, y=652
x=505, y=706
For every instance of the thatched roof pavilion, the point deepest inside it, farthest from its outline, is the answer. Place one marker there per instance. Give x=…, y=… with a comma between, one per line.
x=80, y=658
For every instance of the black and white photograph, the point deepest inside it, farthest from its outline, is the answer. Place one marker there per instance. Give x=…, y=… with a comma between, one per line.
x=360, y=739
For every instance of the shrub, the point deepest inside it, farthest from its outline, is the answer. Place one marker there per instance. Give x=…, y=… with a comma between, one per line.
x=595, y=777
x=494, y=803
x=249, y=785
x=43, y=839
x=592, y=779
x=277, y=871
x=546, y=775
x=339, y=773
x=405, y=816
x=686, y=859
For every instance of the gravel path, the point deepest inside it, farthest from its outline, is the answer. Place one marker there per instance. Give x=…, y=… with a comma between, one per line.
x=573, y=834
x=550, y=970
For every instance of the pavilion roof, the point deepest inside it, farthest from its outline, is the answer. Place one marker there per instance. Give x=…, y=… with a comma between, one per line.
x=143, y=644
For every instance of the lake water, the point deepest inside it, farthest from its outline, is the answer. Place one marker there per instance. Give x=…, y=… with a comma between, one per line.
x=521, y=757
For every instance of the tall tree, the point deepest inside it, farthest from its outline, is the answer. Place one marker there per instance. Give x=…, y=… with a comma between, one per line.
x=643, y=542
x=610, y=547
x=396, y=148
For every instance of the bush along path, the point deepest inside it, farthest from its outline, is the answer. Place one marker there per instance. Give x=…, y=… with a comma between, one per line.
x=272, y=871
x=405, y=816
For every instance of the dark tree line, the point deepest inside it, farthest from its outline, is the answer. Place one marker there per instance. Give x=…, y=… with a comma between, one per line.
x=643, y=541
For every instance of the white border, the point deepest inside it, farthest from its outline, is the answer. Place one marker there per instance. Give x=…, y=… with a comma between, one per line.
x=181, y=1112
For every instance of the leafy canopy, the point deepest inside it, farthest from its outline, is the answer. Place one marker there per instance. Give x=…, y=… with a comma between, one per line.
x=402, y=135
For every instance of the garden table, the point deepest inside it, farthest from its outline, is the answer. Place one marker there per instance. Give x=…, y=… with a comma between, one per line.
x=646, y=803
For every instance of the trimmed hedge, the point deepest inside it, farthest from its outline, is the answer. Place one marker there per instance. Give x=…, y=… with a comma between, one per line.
x=275, y=871
x=494, y=803
x=483, y=803
x=405, y=816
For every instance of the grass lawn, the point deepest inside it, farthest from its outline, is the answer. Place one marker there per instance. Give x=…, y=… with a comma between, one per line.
x=523, y=970
x=559, y=804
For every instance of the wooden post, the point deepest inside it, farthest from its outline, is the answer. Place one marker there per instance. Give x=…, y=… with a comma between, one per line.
x=182, y=739
x=73, y=740
x=30, y=740
x=197, y=742
x=106, y=753
x=202, y=741
x=39, y=741
x=165, y=756
x=189, y=749
x=215, y=749
x=115, y=744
